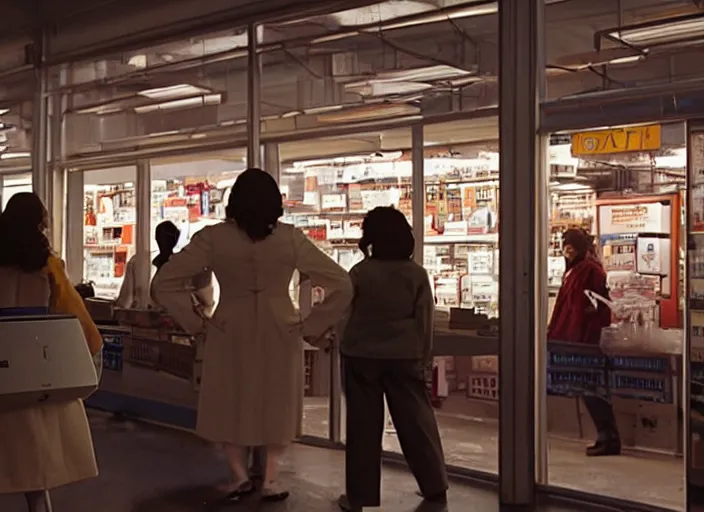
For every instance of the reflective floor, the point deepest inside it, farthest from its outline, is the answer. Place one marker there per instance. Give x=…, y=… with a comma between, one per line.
x=473, y=443
x=151, y=469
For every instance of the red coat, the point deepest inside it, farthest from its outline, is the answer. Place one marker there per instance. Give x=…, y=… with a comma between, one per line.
x=573, y=318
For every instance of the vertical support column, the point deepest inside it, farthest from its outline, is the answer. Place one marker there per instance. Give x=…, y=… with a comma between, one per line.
x=40, y=175
x=541, y=312
x=143, y=190
x=57, y=174
x=519, y=27
x=271, y=160
x=254, y=73
x=74, y=225
x=418, y=183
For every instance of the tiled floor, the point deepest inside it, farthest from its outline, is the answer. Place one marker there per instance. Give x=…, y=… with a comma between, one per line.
x=472, y=443
x=151, y=469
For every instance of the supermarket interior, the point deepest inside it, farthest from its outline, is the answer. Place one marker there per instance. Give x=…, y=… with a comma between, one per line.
x=397, y=103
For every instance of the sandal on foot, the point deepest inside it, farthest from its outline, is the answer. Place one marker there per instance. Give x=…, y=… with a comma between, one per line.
x=272, y=492
x=241, y=491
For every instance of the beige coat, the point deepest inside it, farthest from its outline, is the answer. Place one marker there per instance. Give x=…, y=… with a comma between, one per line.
x=252, y=385
x=46, y=446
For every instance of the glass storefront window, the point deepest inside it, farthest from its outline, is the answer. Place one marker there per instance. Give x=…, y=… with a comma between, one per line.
x=193, y=193
x=461, y=255
x=621, y=386
x=109, y=227
x=328, y=186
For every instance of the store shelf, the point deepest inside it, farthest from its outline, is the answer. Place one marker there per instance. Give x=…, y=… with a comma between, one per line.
x=483, y=238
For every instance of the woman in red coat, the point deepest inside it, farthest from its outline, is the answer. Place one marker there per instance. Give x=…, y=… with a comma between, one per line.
x=576, y=320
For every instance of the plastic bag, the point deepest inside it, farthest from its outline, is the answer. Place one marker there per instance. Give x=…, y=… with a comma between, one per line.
x=637, y=333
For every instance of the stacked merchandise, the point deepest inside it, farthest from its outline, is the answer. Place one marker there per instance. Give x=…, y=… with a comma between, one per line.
x=190, y=203
x=461, y=227
x=329, y=202
x=109, y=226
x=568, y=210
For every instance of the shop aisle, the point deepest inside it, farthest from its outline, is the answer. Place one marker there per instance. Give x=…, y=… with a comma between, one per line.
x=471, y=443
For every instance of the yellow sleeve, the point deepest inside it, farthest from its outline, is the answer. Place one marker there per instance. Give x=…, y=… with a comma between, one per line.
x=65, y=300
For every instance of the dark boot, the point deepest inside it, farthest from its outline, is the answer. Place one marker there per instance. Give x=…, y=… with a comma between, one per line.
x=607, y=443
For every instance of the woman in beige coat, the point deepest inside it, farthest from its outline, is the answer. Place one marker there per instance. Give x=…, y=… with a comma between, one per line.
x=44, y=446
x=252, y=384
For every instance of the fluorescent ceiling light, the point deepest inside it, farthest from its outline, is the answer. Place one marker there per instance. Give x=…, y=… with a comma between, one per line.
x=198, y=101
x=669, y=31
x=9, y=156
x=321, y=110
x=469, y=12
x=383, y=88
x=173, y=91
x=4, y=111
x=427, y=73
x=379, y=13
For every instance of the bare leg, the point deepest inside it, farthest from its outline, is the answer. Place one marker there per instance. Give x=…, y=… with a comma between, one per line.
x=271, y=490
x=236, y=456
x=38, y=501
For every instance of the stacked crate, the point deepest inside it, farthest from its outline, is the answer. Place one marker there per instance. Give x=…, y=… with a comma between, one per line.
x=154, y=342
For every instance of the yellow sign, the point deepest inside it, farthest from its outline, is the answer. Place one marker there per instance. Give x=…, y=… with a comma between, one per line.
x=618, y=140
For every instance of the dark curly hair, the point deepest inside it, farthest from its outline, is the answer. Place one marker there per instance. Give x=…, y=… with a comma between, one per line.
x=387, y=232
x=23, y=243
x=255, y=204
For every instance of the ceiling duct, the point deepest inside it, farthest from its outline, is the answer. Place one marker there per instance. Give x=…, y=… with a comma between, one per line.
x=662, y=102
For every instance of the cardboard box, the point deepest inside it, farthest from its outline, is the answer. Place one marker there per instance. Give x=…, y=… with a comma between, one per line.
x=657, y=427
x=483, y=386
x=485, y=364
x=100, y=310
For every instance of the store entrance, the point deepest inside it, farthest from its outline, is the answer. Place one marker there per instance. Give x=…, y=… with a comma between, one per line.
x=614, y=375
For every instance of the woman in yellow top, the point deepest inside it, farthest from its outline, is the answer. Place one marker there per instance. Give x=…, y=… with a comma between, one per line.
x=45, y=446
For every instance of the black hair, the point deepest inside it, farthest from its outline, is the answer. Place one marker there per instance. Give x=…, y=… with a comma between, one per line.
x=387, y=232
x=23, y=243
x=166, y=235
x=255, y=204
x=579, y=239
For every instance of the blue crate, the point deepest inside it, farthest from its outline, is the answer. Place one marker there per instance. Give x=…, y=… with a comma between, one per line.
x=112, y=357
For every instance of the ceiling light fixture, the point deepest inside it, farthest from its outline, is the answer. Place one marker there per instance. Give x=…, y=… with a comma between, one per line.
x=681, y=29
x=386, y=88
x=4, y=111
x=198, y=101
x=173, y=91
x=9, y=156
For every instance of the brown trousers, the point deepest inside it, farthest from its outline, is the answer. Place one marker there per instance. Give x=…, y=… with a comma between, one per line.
x=366, y=382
